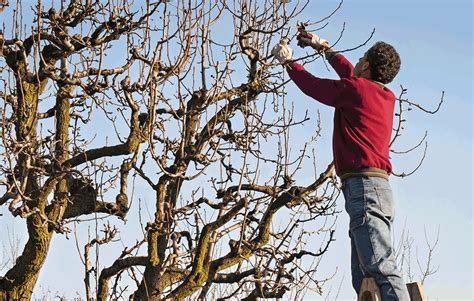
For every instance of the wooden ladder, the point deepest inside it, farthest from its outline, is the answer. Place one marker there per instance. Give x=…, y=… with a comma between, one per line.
x=370, y=292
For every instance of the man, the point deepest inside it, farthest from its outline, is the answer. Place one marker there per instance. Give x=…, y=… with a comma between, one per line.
x=363, y=119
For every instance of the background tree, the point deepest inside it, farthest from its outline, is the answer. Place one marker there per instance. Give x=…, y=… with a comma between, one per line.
x=94, y=93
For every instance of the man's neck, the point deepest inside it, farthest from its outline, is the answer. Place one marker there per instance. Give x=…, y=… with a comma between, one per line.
x=381, y=85
x=367, y=76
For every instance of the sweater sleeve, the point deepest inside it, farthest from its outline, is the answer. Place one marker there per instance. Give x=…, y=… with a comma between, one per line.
x=330, y=92
x=339, y=62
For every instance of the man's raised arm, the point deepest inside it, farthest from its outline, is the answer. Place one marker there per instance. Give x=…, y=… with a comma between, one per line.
x=327, y=91
x=340, y=64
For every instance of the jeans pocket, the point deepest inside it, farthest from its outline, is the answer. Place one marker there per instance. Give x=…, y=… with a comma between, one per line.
x=355, y=207
x=385, y=201
x=355, y=188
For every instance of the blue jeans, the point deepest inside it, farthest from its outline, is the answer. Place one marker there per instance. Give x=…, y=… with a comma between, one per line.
x=369, y=203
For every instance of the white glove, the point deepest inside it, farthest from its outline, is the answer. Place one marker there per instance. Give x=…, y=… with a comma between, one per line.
x=282, y=52
x=313, y=40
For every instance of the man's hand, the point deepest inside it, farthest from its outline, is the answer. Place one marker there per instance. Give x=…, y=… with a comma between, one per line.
x=313, y=40
x=282, y=52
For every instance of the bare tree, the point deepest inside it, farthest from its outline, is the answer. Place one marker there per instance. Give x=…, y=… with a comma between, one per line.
x=198, y=112
x=404, y=254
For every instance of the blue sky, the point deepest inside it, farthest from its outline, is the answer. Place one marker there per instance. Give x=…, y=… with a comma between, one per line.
x=434, y=39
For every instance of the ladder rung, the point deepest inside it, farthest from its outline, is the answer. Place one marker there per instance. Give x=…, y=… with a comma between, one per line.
x=369, y=291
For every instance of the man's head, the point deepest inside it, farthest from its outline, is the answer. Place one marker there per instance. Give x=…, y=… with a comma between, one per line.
x=380, y=63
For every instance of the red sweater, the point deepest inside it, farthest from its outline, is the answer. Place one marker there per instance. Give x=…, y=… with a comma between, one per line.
x=363, y=116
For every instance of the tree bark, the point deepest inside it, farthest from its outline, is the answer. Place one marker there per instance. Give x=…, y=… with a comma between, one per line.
x=19, y=282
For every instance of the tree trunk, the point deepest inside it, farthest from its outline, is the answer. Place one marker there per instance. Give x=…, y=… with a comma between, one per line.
x=158, y=236
x=19, y=282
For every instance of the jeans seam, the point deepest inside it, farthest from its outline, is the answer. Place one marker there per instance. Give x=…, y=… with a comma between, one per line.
x=379, y=202
x=376, y=259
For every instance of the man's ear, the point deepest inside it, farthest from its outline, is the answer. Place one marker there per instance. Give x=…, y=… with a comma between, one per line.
x=366, y=66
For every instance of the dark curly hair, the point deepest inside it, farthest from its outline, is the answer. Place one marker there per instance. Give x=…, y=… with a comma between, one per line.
x=384, y=62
